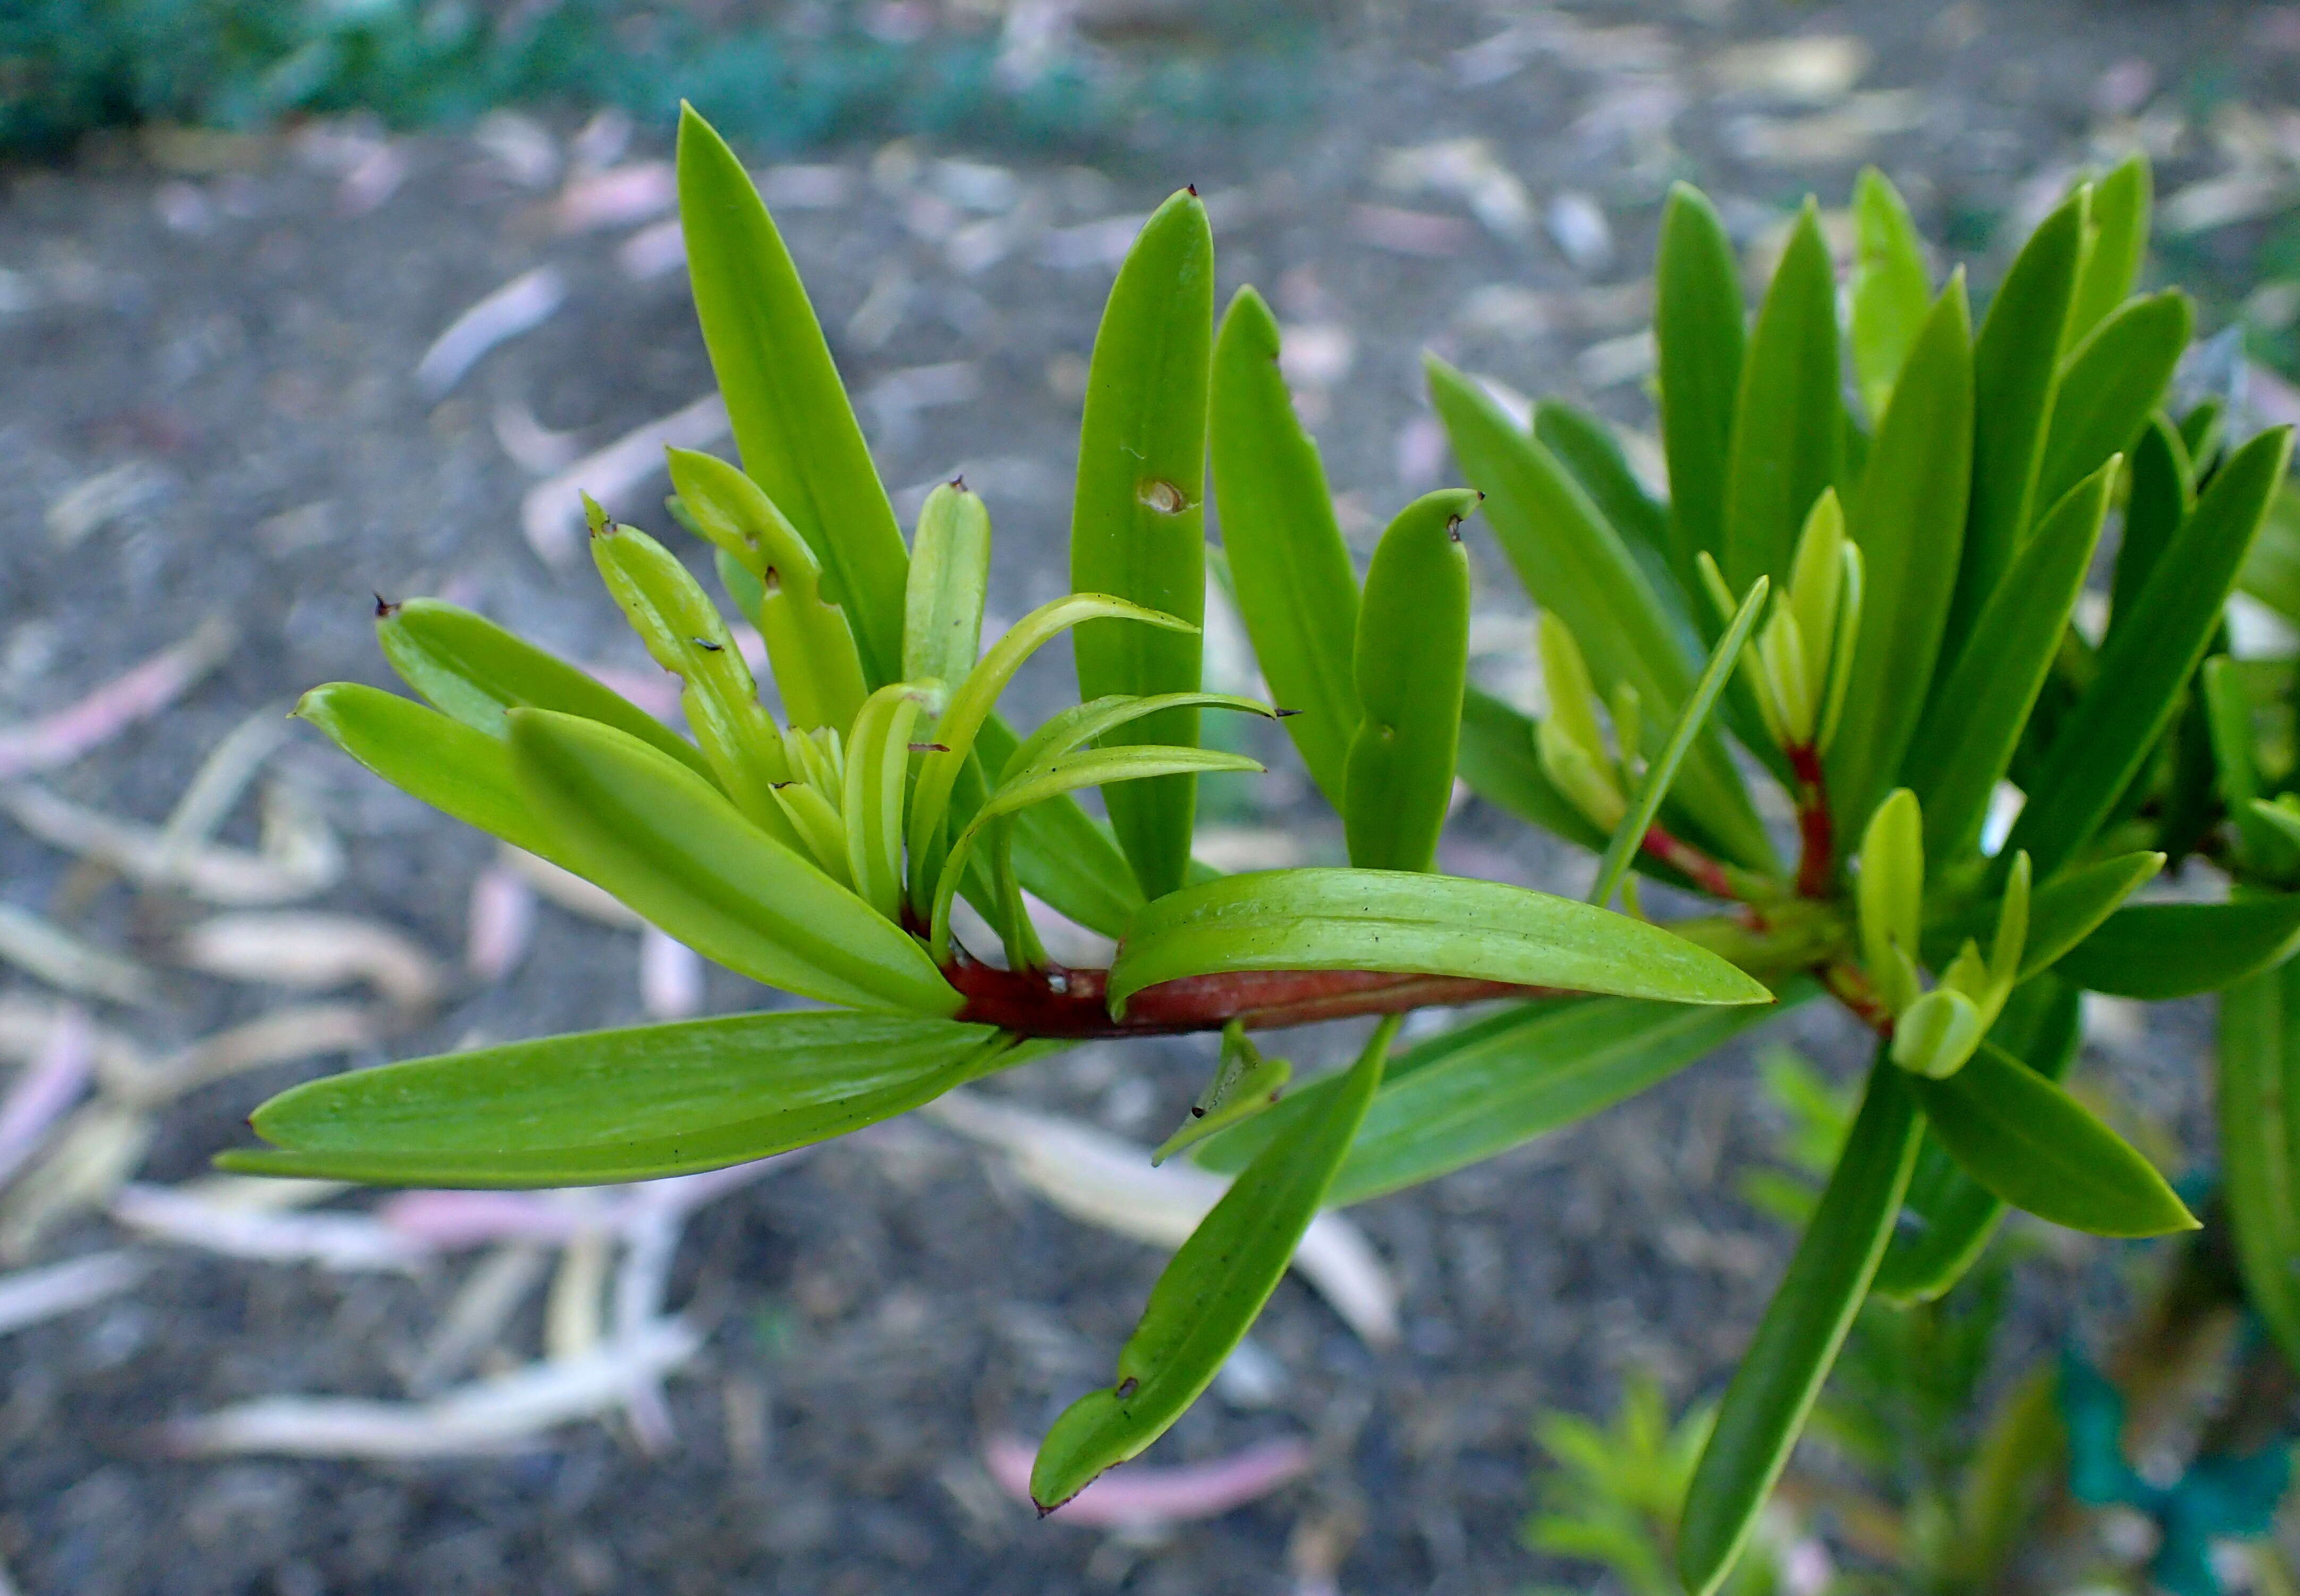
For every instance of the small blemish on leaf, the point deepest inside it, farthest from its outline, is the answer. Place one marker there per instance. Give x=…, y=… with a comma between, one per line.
x=1162, y=496
x=772, y=581
x=707, y=646
x=1126, y=1388
x=384, y=608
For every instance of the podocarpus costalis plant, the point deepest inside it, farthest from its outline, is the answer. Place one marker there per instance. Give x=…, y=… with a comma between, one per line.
x=1925, y=574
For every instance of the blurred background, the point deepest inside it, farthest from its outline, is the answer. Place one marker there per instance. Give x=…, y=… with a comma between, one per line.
x=307, y=302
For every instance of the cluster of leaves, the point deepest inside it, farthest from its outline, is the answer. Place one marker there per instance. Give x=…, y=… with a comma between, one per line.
x=68, y=66
x=1928, y=542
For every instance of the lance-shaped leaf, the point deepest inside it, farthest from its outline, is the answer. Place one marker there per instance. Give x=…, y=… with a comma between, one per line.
x=1082, y=724
x=664, y=841
x=2118, y=243
x=2259, y=1101
x=2163, y=491
x=2158, y=951
x=682, y=632
x=950, y=576
x=1412, y=656
x=2062, y=913
x=619, y=1105
x=1798, y=1340
x=1209, y=1293
x=1586, y=446
x=878, y=765
x=2113, y=380
x=789, y=411
x=1472, y=1092
x=1788, y=420
x=1644, y=805
x=1414, y=923
x=1137, y=526
x=472, y=669
x=1948, y=1216
x=1697, y=325
x=2027, y=1140
x=967, y=716
x=2016, y=363
x=1890, y=288
x=2143, y=668
x=1067, y=773
x=1497, y=759
x=444, y=763
x=1296, y=590
x=1908, y=519
x=1964, y=744
x=1575, y=564
x=810, y=647
x=1062, y=854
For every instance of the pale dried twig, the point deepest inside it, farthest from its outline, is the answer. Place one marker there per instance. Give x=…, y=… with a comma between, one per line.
x=42, y=948
x=1138, y=1497
x=314, y=952
x=59, y=738
x=350, y=1243
x=299, y=854
x=48, y=1086
x=550, y=515
x=28, y=1296
x=520, y=305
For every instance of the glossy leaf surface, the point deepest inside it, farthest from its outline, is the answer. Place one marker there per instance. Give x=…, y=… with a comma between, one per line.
x=2162, y=494
x=2115, y=379
x=2062, y=913
x=1411, y=923
x=950, y=575
x=1137, y=526
x=1496, y=759
x=1697, y=325
x=1788, y=420
x=1891, y=291
x=1297, y=591
x=2027, y=1141
x=2158, y=951
x=2259, y=1103
x=1210, y=1292
x=2119, y=216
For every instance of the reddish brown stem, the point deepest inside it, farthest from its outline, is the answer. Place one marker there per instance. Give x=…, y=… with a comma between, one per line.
x=1690, y=862
x=1059, y=1002
x=1816, y=831
x=1849, y=984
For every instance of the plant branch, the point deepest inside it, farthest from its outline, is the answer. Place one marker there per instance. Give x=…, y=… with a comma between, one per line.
x=1816, y=828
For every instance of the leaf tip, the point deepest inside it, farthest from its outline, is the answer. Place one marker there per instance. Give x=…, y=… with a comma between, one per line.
x=385, y=609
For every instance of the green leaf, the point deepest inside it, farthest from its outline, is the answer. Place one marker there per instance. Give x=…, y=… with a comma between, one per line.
x=2158, y=951
x=1061, y=854
x=1798, y=1340
x=790, y=414
x=444, y=763
x=2118, y=219
x=472, y=669
x=2113, y=380
x=810, y=647
x=878, y=765
x=1788, y=418
x=2162, y=494
x=2145, y=667
x=1573, y=563
x=2071, y=907
x=1475, y=1092
x=664, y=841
x=950, y=576
x=1908, y=519
x=1082, y=724
x=1697, y=324
x=1397, y=920
x=1497, y=760
x=2016, y=363
x=1412, y=656
x=1964, y=744
x=1586, y=446
x=1209, y=1293
x=1296, y=590
x=2027, y=1140
x=1629, y=837
x=2259, y=1101
x=1890, y=289
x=2271, y=571
x=1138, y=528
x=620, y=1105
x=1948, y=1217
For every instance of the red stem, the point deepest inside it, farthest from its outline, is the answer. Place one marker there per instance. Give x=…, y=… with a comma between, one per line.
x=1059, y=1002
x=1816, y=831
x=1690, y=862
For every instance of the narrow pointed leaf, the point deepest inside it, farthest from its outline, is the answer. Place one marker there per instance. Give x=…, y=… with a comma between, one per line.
x=810, y=646
x=665, y=843
x=619, y=1105
x=2015, y=377
x=1586, y=446
x=789, y=411
x=1788, y=418
x=1411, y=660
x=1296, y=590
x=1082, y=724
x=2162, y=494
x=1948, y=1217
x=1697, y=324
x=1062, y=854
x=2115, y=379
x=950, y=575
x=474, y=670
x=2062, y=913
x=2144, y=670
x=1629, y=837
x=2120, y=243
x=1138, y=528
x=1964, y=744
x=1908, y=519
x=1472, y=1092
x=877, y=764
x=1796, y=1343
x=1414, y=923
x=2259, y=1102
x=1497, y=759
x=1890, y=288
x=2027, y=1141
x=2158, y=951
x=1209, y=1293
x=1573, y=563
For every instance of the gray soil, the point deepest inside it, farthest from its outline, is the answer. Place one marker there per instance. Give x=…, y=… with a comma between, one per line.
x=876, y=1311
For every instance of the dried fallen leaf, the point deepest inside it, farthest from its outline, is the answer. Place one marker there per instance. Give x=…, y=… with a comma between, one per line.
x=520, y=305
x=550, y=515
x=99, y=1148
x=499, y=925
x=670, y=977
x=1815, y=70
x=63, y=737
x=298, y=1031
x=616, y=198
x=477, y=1315
x=45, y=1088
x=1136, y=1497
x=314, y=952
x=28, y=1296
x=298, y=854
x=41, y=948
x=345, y=1242
x=568, y=890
